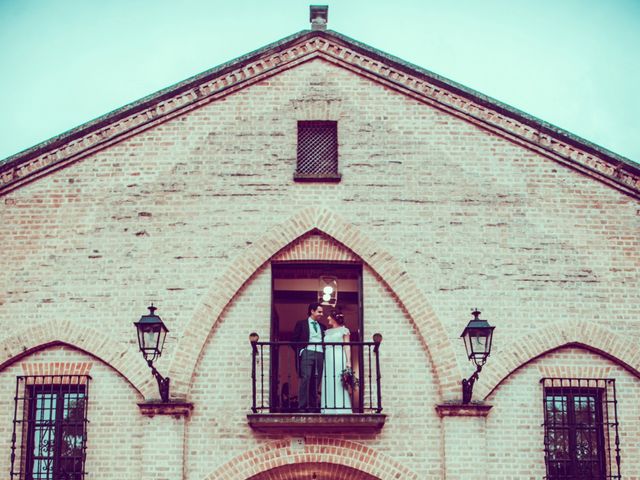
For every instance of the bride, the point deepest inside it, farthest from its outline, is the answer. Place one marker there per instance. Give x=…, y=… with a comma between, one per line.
x=334, y=397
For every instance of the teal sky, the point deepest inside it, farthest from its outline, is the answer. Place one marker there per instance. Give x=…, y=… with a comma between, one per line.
x=573, y=63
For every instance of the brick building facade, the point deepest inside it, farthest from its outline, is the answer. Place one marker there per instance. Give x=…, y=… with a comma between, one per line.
x=441, y=200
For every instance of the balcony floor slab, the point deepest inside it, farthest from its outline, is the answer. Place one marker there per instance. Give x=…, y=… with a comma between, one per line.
x=316, y=422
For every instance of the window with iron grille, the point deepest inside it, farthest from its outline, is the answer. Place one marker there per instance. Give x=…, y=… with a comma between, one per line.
x=317, y=151
x=50, y=427
x=581, y=439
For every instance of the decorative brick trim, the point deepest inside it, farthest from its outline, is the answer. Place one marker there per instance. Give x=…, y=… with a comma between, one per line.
x=573, y=371
x=53, y=332
x=422, y=85
x=314, y=470
x=431, y=331
x=281, y=454
x=57, y=368
x=590, y=336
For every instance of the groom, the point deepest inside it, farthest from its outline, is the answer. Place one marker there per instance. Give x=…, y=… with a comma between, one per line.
x=309, y=358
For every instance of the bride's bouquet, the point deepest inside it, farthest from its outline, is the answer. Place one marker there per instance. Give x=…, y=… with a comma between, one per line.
x=349, y=379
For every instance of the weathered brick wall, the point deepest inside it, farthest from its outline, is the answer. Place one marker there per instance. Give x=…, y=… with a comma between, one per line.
x=114, y=430
x=515, y=436
x=472, y=219
x=461, y=209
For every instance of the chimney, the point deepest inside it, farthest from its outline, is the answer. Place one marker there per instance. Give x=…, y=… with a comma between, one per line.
x=318, y=16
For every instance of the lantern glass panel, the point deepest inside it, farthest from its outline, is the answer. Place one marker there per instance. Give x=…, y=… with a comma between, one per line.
x=489, y=340
x=161, y=338
x=151, y=338
x=478, y=342
x=141, y=339
x=467, y=344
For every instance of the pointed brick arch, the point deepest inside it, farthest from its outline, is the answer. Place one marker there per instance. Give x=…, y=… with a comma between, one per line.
x=431, y=331
x=88, y=340
x=551, y=337
x=279, y=457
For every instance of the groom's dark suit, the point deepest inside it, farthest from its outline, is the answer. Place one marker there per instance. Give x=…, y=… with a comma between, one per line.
x=301, y=333
x=309, y=365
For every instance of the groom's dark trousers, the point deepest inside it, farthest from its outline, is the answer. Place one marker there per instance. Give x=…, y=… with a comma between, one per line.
x=309, y=366
x=310, y=377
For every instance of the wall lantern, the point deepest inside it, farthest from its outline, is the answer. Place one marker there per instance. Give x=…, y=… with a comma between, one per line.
x=477, y=337
x=328, y=290
x=151, y=336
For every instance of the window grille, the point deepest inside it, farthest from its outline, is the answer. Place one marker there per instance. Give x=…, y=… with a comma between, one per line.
x=317, y=149
x=581, y=440
x=49, y=437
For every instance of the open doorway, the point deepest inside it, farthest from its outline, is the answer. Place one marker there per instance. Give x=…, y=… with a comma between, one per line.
x=295, y=285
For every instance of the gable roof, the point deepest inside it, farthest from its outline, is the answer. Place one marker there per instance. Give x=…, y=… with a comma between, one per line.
x=421, y=84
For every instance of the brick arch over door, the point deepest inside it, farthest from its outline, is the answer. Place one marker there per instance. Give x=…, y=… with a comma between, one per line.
x=430, y=329
x=551, y=337
x=316, y=471
x=54, y=332
x=279, y=460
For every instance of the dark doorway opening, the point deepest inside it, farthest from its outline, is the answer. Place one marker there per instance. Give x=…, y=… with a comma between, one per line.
x=295, y=285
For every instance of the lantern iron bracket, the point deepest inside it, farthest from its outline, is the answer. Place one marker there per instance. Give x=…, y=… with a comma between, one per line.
x=163, y=383
x=467, y=385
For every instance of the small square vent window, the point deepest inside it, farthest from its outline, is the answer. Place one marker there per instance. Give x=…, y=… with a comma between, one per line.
x=317, y=151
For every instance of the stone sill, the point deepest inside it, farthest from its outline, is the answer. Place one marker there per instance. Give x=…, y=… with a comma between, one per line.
x=463, y=410
x=316, y=422
x=305, y=177
x=175, y=409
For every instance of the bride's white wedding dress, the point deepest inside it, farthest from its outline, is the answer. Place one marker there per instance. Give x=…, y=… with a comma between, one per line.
x=334, y=397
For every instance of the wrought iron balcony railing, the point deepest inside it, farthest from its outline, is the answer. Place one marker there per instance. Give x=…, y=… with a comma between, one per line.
x=275, y=377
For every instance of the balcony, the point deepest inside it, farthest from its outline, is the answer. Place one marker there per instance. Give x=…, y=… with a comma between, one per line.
x=347, y=400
